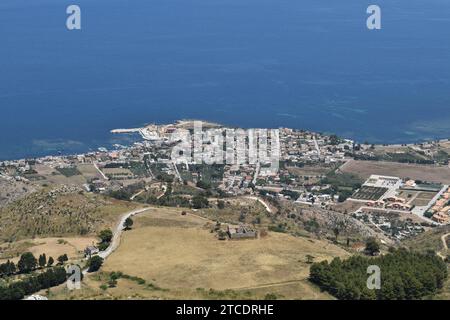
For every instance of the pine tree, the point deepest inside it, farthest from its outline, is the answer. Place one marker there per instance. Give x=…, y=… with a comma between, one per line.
x=27, y=262
x=42, y=260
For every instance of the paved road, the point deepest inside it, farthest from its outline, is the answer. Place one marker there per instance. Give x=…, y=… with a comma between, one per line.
x=317, y=146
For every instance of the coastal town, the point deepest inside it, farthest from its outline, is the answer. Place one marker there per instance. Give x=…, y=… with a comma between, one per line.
x=230, y=185
x=311, y=167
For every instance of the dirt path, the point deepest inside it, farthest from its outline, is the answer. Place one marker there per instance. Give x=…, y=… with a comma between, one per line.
x=164, y=187
x=444, y=243
x=269, y=285
x=268, y=208
x=100, y=171
x=136, y=194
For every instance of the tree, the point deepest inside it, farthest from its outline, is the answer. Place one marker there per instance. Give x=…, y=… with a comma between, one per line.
x=94, y=263
x=335, y=223
x=128, y=223
x=50, y=261
x=334, y=139
x=103, y=246
x=220, y=204
x=62, y=258
x=112, y=283
x=372, y=246
x=42, y=260
x=199, y=202
x=221, y=235
x=406, y=275
x=106, y=235
x=203, y=185
x=27, y=262
x=309, y=259
x=8, y=268
x=336, y=232
x=28, y=285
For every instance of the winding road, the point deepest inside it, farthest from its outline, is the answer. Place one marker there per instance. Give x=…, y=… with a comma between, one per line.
x=118, y=232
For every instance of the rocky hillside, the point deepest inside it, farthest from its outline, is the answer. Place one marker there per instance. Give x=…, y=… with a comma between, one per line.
x=11, y=190
x=59, y=211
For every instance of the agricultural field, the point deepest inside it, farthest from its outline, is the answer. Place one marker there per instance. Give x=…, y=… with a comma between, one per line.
x=310, y=170
x=431, y=173
x=423, y=198
x=46, y=175
x=69, y=172
x=369, y=193
x=408, y=195
x=88, y=171
x=117, y=173
x=177, y=256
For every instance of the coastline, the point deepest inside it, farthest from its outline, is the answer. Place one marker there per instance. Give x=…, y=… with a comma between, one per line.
x=94, y=145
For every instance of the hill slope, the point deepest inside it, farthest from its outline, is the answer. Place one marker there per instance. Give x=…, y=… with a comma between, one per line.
x=59, y=211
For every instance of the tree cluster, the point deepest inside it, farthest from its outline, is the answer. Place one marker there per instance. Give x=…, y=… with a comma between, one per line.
x=28, y=263
x=105, y=239
x=404, y=275
x=19, y=289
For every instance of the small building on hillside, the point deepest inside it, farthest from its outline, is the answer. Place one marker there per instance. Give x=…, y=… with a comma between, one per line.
x=90, y=251
x=241, y=232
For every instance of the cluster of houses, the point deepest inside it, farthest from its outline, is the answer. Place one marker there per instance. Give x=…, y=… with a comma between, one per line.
x=237, y=178
x=304, y=146
x=391, y=227
x=392, y=202
x=441, y=209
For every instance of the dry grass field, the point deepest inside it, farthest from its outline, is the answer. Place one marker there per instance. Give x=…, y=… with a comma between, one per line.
x=52, y=247
x=88, y=171
x=174, y=256
x=310, y=170
x=180, y=255
x=233, y=208
x=364, y=169
x=51, y=176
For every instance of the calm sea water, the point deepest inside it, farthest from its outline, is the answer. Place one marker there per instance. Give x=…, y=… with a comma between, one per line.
x=252, y=63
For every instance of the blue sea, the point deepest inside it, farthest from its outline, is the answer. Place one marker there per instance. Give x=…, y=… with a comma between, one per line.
x=309, y=64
